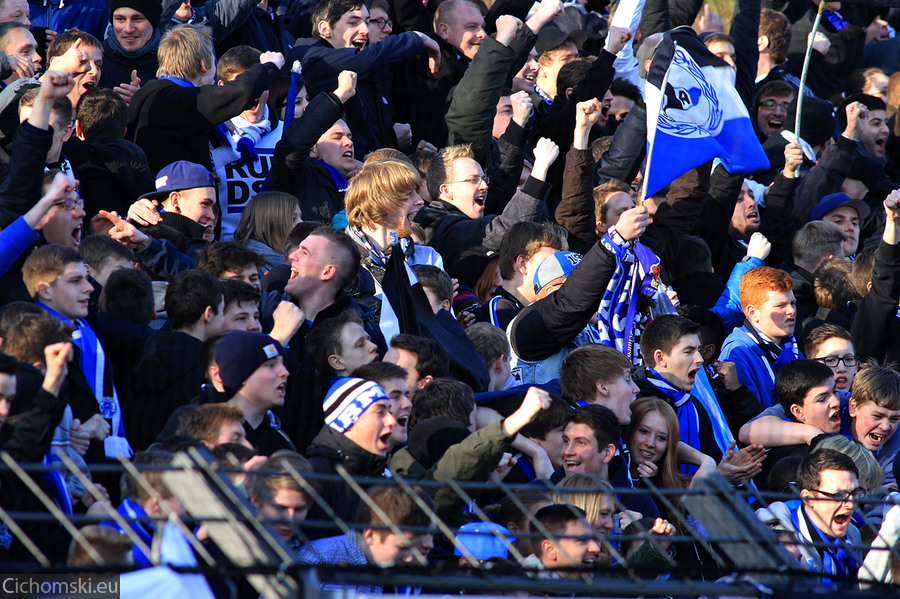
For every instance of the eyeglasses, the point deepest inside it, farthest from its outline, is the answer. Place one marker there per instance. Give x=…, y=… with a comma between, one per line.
x=832, y=361
x=380, y=23
x=843, y=496
x=773, y=103
x=475, y=180
x=70, y=204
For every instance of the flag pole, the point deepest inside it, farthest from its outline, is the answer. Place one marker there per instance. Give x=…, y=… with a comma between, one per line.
x=803, y=73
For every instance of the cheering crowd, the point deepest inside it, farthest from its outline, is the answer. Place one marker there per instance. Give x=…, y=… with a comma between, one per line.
x=407, y=238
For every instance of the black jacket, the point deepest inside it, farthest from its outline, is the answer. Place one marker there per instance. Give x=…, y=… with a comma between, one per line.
x=262, y=30
x=451, y=232
x=422, y=99
x=368, y=112
x=559, y=122
x=27, y=442
x=294, y=172
x=329, y=449
x=173, y=123
x=166, y=375
x=548, y=325
x=876, y=329
x=113, y=173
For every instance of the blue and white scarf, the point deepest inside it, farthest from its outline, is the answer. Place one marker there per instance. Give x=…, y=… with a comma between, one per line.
x=774, y=356
x=837, y=559
x=92, y=362
x=618, y=308
x=688, y=418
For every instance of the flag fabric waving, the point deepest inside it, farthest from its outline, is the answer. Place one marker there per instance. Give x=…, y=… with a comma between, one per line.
x=694, y=113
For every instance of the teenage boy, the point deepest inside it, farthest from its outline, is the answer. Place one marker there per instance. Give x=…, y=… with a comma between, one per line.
x=374, y=544
x=167, y=374
x=522, y=249
x=670, y=346
x=340, y=345
x=172, y=117
x=356, y=436
x=493, y=345
x=275, y=491
x=214, y=424
x=597, y=374
x=112, y=171
x=869, y=416
x=241, y=307
x=57, y=280
x=765, y=342
x=423, y=358
x=833, y=346
x=315, y=156
x=254, y=377
x=392, y=379
x=341, y=32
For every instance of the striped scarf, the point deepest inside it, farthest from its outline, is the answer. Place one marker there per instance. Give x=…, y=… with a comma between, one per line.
x=633, y=275
x=688, y=418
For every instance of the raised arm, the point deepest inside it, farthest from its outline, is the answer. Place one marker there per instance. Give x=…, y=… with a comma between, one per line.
x=874, y=322
x=471, y=114
x=576, y=209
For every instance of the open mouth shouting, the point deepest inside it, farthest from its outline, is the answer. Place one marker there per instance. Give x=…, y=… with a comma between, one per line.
x=752, y=216
x=77, y=234
x=692, y=375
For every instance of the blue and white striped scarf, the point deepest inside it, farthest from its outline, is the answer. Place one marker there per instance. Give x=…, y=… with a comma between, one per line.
x=688, y=418
x=618, y=308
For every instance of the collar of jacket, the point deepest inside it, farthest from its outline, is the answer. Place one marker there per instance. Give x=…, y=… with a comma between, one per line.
x=191, y=229
x=111, y=44
x=337, y=447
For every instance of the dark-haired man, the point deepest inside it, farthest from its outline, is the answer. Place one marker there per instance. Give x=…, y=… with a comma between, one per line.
x=130, y=46
x=325, y=262
x=341, y=28
x=670, y=346
x=168, y=373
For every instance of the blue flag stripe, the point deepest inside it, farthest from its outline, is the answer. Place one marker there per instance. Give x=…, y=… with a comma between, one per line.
x=694, y=114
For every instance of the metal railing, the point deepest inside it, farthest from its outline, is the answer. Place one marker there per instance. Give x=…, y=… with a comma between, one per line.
x=721, y=547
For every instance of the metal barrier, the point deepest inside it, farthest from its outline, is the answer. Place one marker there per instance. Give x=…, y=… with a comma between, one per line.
x=734, y=554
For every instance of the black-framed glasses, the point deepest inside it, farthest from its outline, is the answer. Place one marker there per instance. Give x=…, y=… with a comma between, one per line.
x=832, y=361
x=381, y=23
x=475, y=180
x=843, y=496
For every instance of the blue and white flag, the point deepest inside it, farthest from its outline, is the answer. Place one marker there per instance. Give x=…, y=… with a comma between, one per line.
x=694, y=113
